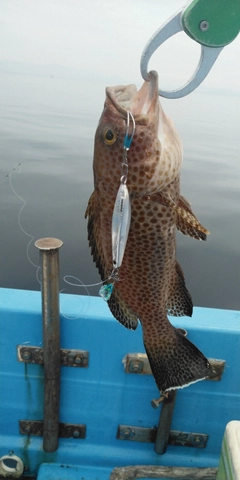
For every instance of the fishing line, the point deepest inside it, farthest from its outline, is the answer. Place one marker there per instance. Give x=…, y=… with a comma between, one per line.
x=13, y=169
x=82, y=284
x=80, y=308
x=18, y=170
x=66, y=278
x=78, y=285
x=83, y=307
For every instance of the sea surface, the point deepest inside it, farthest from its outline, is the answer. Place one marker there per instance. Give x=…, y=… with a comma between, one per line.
x=49, y=112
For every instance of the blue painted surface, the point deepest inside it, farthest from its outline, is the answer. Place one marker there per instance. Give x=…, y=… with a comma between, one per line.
x=71, y=472
x=103, y=396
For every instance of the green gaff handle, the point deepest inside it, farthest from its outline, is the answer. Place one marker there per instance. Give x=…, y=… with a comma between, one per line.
x=213, y=23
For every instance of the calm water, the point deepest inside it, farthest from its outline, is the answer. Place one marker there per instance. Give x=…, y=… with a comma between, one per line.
x=48, y=119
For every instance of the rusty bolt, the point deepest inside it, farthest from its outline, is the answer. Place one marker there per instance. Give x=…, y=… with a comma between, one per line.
x=127, y=433
x=135, y=366
x=197, y=440
x=27, y=429
x=26, y=355
x=78, y=359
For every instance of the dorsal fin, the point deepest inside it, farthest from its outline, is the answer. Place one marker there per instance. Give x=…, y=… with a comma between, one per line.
x=93, y=228
x=179, y=300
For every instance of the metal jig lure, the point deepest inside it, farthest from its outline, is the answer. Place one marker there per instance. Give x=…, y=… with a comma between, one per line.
x=121, y=218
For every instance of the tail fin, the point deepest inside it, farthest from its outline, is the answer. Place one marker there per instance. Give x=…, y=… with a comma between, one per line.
x=177, y=363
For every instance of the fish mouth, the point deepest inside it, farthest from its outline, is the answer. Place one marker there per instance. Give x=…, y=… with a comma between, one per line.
x=142, y=103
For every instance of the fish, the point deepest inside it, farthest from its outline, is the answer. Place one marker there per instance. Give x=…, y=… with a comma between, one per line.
x=149, y=284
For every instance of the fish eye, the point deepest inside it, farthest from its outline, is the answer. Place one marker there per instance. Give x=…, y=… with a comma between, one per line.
x=109, y=135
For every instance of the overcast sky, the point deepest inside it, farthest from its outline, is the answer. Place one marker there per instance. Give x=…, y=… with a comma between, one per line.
x=106, y=38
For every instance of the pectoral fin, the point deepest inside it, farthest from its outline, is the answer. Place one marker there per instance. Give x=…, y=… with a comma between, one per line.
x=187, y=223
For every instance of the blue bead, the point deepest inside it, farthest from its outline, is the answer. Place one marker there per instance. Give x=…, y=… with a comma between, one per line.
x=106, y=291
x=127, y=141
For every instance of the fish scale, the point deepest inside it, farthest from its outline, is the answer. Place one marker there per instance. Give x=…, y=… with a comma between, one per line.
x=150, y=281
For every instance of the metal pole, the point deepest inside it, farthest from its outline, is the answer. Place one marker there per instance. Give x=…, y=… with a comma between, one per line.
x=164, y=424
x=166, y=415
x=49, y=256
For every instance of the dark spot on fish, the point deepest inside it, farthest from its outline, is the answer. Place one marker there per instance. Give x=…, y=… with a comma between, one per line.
x=137, y=226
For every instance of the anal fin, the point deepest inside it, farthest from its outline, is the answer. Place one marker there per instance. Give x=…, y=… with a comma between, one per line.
x=179, y=300
x=122, y=312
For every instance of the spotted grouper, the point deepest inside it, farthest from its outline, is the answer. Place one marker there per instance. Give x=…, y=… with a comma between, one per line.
x=150, y=283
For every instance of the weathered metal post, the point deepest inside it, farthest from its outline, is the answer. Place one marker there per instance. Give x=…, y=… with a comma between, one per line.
x=166, y=415
x=49, y=255
x=165, y=421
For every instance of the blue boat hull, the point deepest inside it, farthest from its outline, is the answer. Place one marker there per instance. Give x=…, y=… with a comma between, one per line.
x=103, y=396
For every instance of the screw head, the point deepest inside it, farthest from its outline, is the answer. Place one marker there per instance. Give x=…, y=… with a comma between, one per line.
x=26, y=355
x=27, y=429
x=78, y=359
x=198, y=440
x=127, y=433
x=135, y=366
x=76, y=434
x=204, y=25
